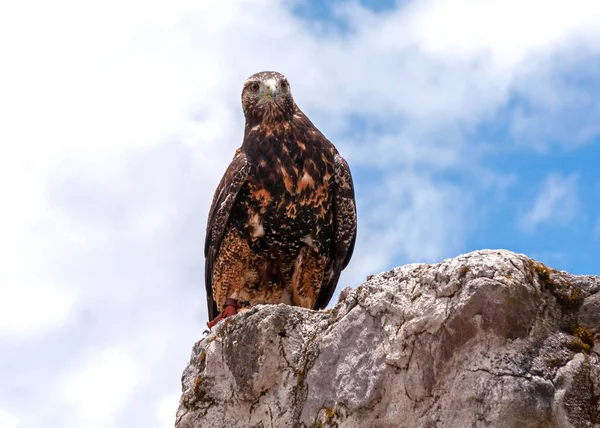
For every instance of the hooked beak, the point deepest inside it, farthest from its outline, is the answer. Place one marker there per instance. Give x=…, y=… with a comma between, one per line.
x=272, y=89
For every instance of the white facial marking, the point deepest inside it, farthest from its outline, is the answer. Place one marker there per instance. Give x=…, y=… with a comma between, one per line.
x=271, y=85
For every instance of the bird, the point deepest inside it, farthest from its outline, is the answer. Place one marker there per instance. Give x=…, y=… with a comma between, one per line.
x=282, y=224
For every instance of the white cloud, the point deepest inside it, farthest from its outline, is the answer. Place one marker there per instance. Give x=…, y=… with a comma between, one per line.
x=101, y=387
x=556, y=203
x=8, y=420
x=33, y=308
x=506, y=32
x=119, y=118
x=166, y=409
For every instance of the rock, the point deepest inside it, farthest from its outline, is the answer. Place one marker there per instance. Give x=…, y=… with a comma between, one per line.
x=487, y=339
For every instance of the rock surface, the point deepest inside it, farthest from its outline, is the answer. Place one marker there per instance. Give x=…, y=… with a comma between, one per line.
x=487, y=339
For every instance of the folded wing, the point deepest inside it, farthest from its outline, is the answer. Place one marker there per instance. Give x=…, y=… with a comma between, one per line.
x=218, y=218
x=344, y=217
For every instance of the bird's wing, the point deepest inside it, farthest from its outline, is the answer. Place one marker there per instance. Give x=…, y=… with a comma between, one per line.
x=344, y=220
x=218, y=217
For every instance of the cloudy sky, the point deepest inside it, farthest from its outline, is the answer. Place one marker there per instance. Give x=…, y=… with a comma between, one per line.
x=468, y=124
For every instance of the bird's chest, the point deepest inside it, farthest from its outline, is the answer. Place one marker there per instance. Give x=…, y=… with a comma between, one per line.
x=287, y=198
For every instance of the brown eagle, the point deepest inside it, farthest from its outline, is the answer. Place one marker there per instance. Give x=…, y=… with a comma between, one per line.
x=282, y=223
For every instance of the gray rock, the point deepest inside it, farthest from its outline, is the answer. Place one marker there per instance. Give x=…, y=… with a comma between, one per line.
x=487, y=339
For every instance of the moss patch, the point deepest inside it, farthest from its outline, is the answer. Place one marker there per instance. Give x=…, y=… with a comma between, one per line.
x=329, y=413
x=543, y=272
x=586, y=336
x=576, y=345
x=583, y=341
x=568, y=296
x=329, y=418
x=197, y=384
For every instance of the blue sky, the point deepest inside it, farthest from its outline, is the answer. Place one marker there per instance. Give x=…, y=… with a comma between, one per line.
x=328, y=13
x=467, y=125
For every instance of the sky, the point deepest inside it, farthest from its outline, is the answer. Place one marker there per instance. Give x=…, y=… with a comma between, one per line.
x=467, y=124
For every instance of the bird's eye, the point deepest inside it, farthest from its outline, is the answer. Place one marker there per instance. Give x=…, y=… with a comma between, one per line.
x=254, y=87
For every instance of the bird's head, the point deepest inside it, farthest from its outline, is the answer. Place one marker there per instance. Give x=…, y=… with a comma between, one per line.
x=266, y=97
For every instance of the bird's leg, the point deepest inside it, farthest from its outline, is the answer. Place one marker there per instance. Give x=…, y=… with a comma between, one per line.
x=229, y=274
x=307, y=278
x=231, y=307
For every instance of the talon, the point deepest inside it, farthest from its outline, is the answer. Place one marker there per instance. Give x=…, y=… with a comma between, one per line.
x=231, y=307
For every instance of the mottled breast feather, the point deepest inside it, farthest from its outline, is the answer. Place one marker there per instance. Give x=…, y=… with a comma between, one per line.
x=344, y=218
x=218, y=217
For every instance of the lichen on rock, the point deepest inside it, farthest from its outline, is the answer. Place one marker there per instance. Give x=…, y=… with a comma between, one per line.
x=489, y=338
